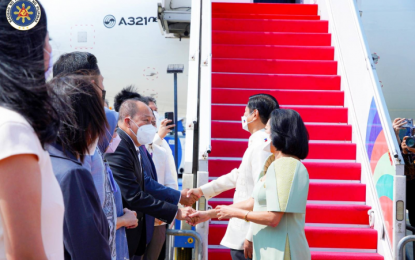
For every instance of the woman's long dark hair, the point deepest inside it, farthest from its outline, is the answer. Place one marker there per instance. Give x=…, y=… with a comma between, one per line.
x=22, y=75
x=83, y=118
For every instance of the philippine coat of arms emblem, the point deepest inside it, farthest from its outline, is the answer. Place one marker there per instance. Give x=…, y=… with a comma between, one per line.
x=23, y=14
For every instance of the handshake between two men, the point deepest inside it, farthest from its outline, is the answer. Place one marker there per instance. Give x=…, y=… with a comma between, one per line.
x=193, y=217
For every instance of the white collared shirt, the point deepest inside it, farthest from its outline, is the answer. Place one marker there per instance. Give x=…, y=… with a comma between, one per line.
x=243, y=179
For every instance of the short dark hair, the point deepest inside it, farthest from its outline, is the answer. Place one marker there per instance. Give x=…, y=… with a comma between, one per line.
x=75, y=62
x=83, y=116
x=288, y=133
x=126, y=93
x=264, y=103
x=22, y=75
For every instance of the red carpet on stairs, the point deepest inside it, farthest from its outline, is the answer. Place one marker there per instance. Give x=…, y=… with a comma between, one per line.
x=273, y=52
x=275, y=81
x=308, y=113
x=316, y=131
x=285, y=50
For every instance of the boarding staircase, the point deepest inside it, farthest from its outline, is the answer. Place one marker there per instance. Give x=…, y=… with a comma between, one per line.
x=287, y=50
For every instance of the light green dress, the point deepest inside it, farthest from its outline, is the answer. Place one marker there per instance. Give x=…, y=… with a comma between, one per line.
x=284, y=189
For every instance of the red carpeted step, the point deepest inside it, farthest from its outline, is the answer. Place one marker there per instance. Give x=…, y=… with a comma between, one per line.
x=351, y=192
x=339, y=256
x=224, y=254
x=316, y=131
x=327, y=213
x=355, y=192
x=219, y=254
x=260, y=8
x=286, y=97
x=272, y=52
x=356, y=238
x=276, y=81
x=267, y=25
x=308, y=114
x=266, y=16
x=333, y=171
x=316, y=170
x=274, y=66
x=337, y=214
x=273, y=38
x=338, y=151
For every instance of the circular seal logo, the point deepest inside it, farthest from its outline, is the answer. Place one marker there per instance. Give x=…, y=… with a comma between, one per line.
x=109, y=21
x=23, y=14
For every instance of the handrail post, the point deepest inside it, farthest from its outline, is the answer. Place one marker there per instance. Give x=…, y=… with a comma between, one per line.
x=402, y=244
x=190, y=233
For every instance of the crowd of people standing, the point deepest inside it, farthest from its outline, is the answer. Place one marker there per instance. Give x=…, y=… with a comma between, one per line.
x=81, y=181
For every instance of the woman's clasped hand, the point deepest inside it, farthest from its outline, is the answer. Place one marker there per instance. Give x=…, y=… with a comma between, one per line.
x=220, y=212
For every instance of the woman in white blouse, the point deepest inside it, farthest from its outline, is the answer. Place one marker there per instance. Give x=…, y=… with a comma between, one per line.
x=31, y=204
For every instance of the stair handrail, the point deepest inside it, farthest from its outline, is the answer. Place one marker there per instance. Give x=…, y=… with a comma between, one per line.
x=198, y=125
x=402, y=244
x=363, y=94
x=193, y=89
x=384, y=114
x=205, y=86
x=187, y=233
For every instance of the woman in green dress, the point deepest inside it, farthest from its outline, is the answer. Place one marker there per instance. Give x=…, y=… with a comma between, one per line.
x=278, y=203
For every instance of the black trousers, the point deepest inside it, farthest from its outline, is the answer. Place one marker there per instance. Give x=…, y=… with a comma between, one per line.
x=238, y=255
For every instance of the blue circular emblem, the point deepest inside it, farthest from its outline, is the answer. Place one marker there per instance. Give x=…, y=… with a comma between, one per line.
x=23, y=14
x=109, y=21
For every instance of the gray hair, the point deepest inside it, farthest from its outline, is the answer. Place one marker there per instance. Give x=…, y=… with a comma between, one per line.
x=151, y=99
x=129, y=108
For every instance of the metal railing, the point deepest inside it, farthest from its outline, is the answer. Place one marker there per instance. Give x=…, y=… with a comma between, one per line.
x=367, y=112
x=187, y=233
x=402, y=244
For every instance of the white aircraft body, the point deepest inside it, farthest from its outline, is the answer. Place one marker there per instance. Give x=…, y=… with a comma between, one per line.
x=390, y=31
x=128, y=43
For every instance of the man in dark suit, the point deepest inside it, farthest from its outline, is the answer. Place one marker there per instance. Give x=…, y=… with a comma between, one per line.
x=135, y=174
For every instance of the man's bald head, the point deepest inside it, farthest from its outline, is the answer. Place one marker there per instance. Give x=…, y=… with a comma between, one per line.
x=132, y=107
x=132, y=115
x=129, y=108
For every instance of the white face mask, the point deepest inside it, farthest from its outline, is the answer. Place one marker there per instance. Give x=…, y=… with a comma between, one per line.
x=267, y=144
x=49, y=71
x=245, y=122
x=145, y=134
x=92, y=147
x=113, y=144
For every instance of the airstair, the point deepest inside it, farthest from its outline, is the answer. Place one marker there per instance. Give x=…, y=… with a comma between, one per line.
x=313, y=58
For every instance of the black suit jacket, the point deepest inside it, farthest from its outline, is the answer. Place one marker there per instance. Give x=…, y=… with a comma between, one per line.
x=128, y=173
